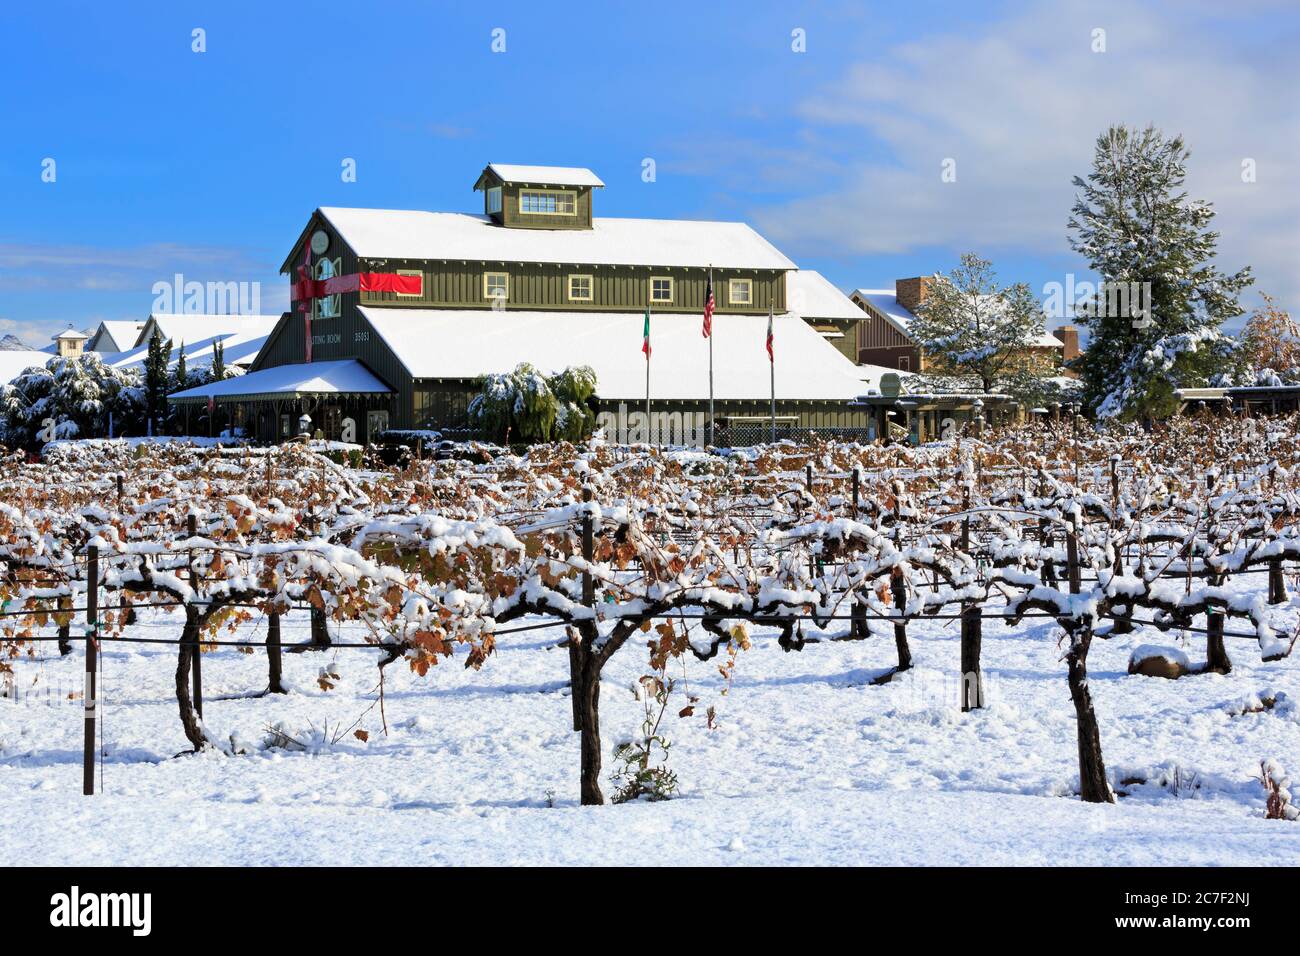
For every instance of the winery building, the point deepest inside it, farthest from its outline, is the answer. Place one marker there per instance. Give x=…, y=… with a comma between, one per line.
x=396, y=314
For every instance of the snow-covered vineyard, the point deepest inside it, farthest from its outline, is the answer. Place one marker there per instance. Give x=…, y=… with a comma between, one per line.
x=1038, y=647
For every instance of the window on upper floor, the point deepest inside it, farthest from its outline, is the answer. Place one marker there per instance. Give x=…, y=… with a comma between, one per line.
x=328, y=307
x=494, y=199
x=740, y=292
x=496, y=285
x=548, y=202
x=661, y=289
x=580, y=288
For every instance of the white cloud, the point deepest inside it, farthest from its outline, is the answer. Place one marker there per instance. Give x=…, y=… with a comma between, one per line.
x=1018, y=106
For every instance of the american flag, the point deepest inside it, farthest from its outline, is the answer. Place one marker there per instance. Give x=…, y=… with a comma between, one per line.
x=708, y=308
x=770, y=337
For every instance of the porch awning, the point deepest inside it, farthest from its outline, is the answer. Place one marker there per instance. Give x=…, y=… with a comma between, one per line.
x=340, y=378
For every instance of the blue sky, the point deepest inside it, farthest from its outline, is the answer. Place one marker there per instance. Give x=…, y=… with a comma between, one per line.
x=208, y=163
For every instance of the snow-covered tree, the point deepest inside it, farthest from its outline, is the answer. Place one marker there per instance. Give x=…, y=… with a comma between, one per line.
x=525, y=405
x=1155, y=326
x=977, y=334
x=155, y=379
x=78, y=394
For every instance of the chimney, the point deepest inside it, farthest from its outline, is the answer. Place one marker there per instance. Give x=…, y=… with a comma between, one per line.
x=911, y=292
x=1069, y=336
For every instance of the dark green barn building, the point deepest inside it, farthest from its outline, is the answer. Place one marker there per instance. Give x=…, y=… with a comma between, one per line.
x=397, y=313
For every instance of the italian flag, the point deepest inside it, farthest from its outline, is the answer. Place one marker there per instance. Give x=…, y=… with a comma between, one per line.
x=645, y=336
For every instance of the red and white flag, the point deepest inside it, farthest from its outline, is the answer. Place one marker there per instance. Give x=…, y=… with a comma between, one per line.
x=770, y=338
x=708, y=308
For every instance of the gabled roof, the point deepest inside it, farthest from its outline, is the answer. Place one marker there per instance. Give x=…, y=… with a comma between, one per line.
x=885, y=302
x=71, y=335
x=812, y=296
x=464, y=344
x=454, y=236
x=120, y=335
x=342, y=377
x=544, y=175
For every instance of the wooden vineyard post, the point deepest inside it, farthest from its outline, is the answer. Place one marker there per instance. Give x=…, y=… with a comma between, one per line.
x=972, y=682
x=119, y=492
x=196, y=667
x=274, y=660
x=91, y=691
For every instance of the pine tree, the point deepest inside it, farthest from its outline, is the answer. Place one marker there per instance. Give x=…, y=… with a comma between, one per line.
x=971, y=330
x=182, y=373
x=218, y=361
x=155, y=379
x=1156, y=325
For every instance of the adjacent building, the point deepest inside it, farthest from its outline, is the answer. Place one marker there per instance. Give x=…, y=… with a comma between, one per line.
x=885, y=339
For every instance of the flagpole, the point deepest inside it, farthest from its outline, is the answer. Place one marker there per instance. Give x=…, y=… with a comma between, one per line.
x=709, y=288
x=771, y=357
x=648, y=430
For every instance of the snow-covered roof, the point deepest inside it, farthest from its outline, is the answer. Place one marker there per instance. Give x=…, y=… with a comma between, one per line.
x=120, y=334
x=811, y=295
x=194, y=328
x=71, y=335
x=546, y=175
x=240, y=348
x=464, y=344
x=342, y=377
x=415, y=234
x=885, y=301
x=16, y=361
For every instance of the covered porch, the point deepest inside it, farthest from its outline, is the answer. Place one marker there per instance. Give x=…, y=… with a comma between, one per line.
x=339, y=400
x=917, y=419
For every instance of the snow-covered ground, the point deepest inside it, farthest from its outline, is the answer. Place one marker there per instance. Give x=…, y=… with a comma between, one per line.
x=809, y=762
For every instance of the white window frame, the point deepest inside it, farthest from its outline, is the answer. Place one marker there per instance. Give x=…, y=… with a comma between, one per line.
x=330, y=306
x=495, y=202
x=733, y=285
x=411, y=295
x=489, y=296
x=591, y=288
x=672, y=290
x=560, y=196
